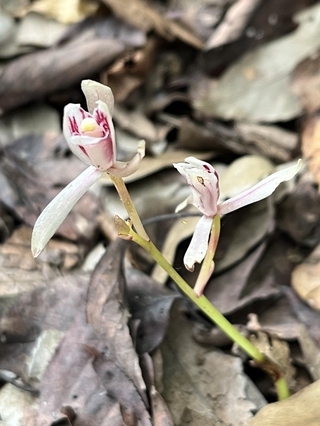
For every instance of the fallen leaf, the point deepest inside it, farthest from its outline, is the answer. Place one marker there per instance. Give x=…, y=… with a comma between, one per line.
x=108, y=316
x=65, y=11
x=276, y=350
x=150, y=306
x=40, y=31
x=305, y=279
x=225, y=291
x=143, y=15
x=47, y=71
x=258, y=89
x=300, y=409
x=234, y=23
x=70, y=381
x=310, y=351
x=273, y=142
x=202, y=387
x=17, y=406
x=311, y=145
x=306, y=82
x=298, y=214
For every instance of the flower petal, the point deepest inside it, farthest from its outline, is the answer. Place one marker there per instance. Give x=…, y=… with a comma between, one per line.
x=259, y=191
x=56, y=212
x=94, y=91
x=123, y=169
x=199, y=243
x=204, y=184
x=97, y=151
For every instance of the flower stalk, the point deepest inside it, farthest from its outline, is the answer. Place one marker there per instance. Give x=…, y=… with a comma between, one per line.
x=129, y=206
x=126, y=232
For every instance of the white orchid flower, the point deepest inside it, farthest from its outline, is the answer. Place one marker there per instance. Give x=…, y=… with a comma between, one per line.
x=204, y=184
x=90, y=136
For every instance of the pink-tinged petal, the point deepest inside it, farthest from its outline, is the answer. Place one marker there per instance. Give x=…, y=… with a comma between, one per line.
x=97, y=151
x=123, y=169
x=259, y=191
x=56, y=212
x=204, y=184
x=72, y=118
x=94, y=91
x=199, y=243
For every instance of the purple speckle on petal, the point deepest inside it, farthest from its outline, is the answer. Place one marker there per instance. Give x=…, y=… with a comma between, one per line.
x=74, y=129
x=102, y=121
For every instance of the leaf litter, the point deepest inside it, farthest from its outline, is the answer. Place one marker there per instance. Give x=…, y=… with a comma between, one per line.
x=115, y=343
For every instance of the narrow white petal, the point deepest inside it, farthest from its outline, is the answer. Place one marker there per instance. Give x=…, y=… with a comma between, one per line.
x=56, y=212
x=199, y=243
x=124, y=169
x=94, y=91
x=259, y=191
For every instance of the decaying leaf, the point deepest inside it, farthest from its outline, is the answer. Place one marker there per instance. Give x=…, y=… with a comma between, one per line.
x=65, y=11
x=306, y=82
x=276, y=350
x=257, y=88
x=234, y=23
x=108, y=316
x=300, y=409
x=225, y=291
x=310, y=352
x=150, y=306
x=142, y=15
x=200, y=386
x=311, y=145
x=70, y=381
x=305, y=279
x=38, y=74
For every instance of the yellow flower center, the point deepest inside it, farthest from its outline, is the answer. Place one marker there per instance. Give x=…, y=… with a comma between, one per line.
x=88, y=125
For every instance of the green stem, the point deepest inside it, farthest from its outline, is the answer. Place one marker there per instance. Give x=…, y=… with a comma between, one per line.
x=140, y=237
x=202, y=302
x=282, y=388
x=129, y=206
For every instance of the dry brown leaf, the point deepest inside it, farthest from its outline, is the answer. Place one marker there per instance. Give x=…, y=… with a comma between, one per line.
x=311, y=145
x=202, y=387
x=234, y=23
x=33, y=76
x=305, y=279
x=272, y=142
x=65, y=11
x=276, y=350
x=107, y=314
x=301, y=409
x=306, y=82
x=142, y=15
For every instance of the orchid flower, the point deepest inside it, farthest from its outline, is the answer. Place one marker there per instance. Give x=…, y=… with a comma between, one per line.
x=91, y=137
x=204, y=184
